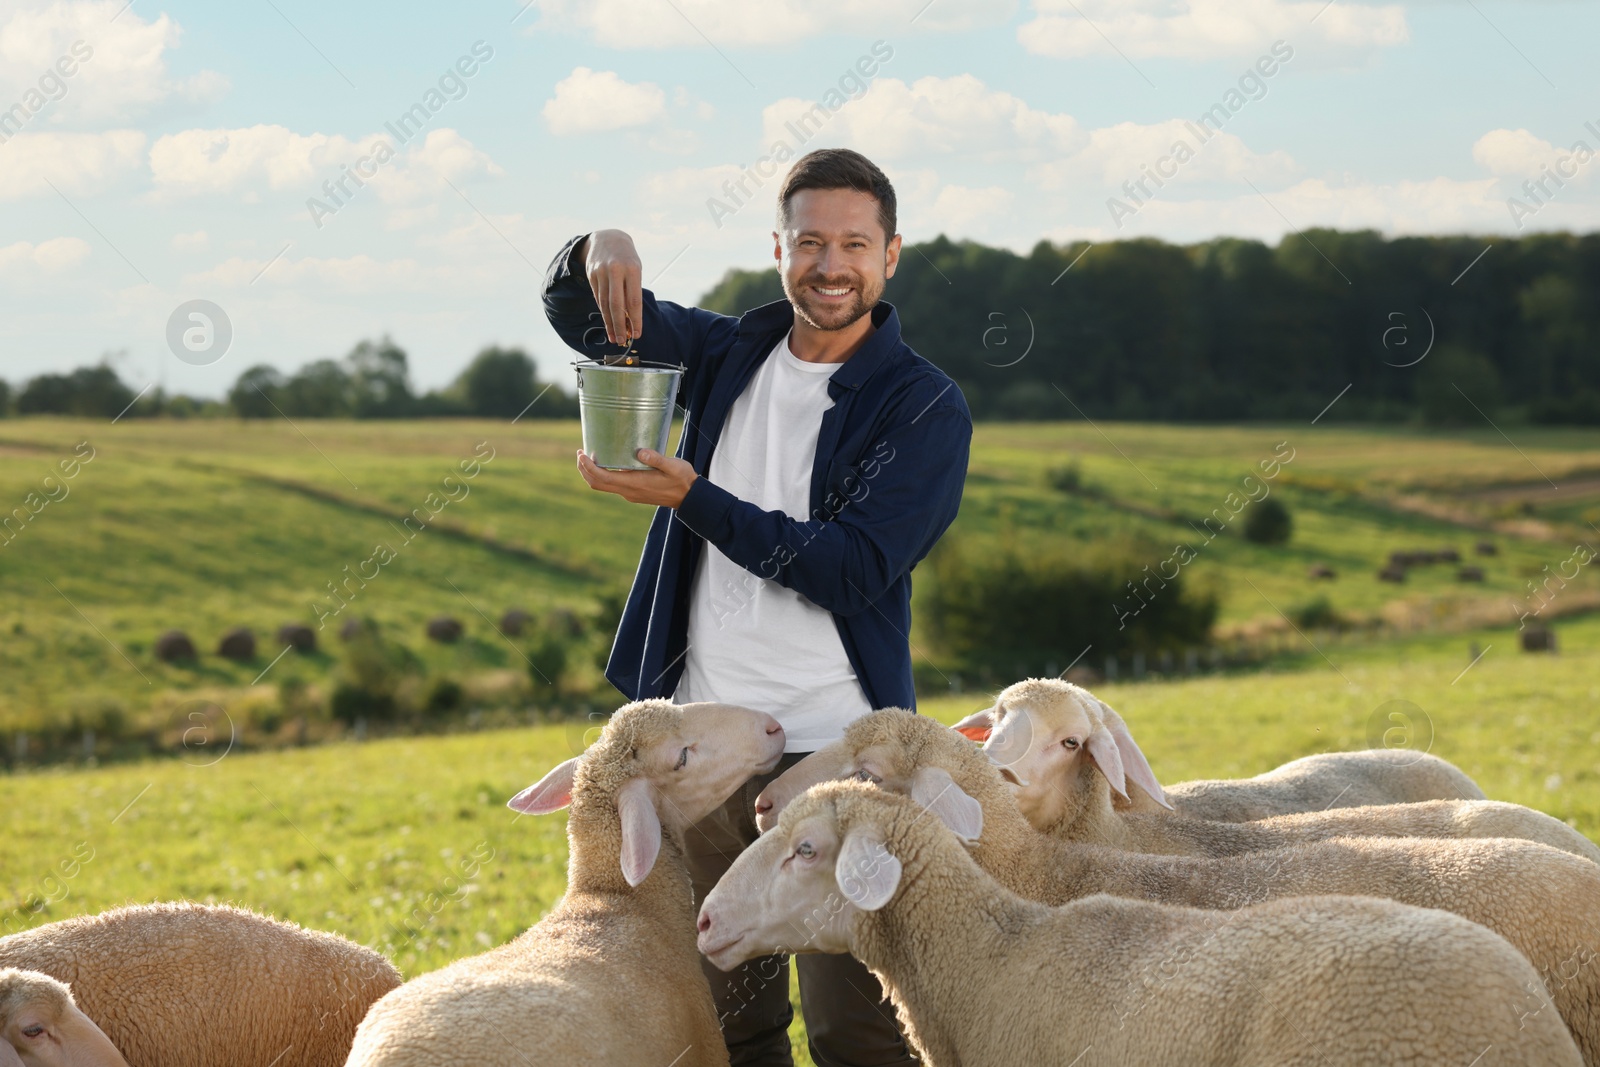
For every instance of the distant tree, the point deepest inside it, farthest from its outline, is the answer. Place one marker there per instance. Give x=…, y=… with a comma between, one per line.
x=1268, y=522
x=5, y=398
x=256, y=391
x=1457, y=386
x=89, y=391
x=380, y=381
x=499, y=382
x=320, y=389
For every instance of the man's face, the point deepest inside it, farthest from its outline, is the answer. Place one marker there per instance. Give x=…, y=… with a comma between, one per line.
x=833, y=256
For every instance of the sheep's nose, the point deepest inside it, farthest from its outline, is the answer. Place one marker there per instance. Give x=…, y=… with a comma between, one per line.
x=704, y=924
x=763, y=805
x=773, y=726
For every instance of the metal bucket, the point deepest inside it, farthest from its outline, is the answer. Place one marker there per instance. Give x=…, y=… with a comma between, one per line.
x=625, y=407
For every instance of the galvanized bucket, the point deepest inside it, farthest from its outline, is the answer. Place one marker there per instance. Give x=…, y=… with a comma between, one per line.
x=625, y=407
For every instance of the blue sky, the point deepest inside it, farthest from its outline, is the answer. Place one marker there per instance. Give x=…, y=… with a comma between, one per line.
x=176, y=162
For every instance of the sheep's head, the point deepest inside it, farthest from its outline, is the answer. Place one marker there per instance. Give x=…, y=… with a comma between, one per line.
x=802, y=885
x=659, y=764
x=1062, y=749
x=41, y=1026
x=899, y=751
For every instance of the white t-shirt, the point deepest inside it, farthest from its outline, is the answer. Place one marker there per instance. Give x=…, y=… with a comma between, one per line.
x=752, y=641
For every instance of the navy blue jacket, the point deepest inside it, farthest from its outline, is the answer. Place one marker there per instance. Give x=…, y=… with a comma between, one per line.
x=886, y=483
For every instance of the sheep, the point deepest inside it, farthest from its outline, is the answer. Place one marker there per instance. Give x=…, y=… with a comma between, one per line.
x=1544, y=901
x=145, y=973
x=611, y=974
x=1317, y=980
x=1068, y=756
x=41, y=1025
x=1312, y=783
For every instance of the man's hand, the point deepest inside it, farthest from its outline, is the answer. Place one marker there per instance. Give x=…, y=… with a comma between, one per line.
x=617, y=277
x=666, y=484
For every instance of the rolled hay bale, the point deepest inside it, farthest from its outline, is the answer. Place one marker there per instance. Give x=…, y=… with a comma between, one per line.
x=1487, y=548
x=1392, y=573
x=1538, y=639
x=238, y=643
x=298, y=636
x=1449, y=555
x=445, y=629
x=174, y=646
x=1469, y=574
x=351, y=629
x=1321, y=570
x=514, y=621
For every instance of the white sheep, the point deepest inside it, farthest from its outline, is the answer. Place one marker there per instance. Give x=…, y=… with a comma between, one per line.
x=1545, y=902
x=611, y=975
x=981, y=976
x=145, y=974
x=42, y=1026
x=1069, y=756
x=1312, y=783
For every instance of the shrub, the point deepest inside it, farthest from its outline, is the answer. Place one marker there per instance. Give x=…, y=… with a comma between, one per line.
x=445, y=695
x=1268, y=522
x=1068, y=477
x=999, y=612
x=371, y=672
x=1317, y=613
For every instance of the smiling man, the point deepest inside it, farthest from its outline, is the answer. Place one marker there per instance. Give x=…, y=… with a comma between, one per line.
x=821, y=459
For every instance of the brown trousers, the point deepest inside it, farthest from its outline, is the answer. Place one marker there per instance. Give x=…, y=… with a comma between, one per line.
x=849, y=1021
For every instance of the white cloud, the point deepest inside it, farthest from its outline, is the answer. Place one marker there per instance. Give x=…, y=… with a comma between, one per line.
x=587, y=101
x=51, y=257
x=1204, y=29
x=74, y=162
x=185, y=242
x=1117, y=154
x=931, y=116
x=1429, y=206
x=1520, y=154
x=118, y=66
x=740, y=23
x=244, y=161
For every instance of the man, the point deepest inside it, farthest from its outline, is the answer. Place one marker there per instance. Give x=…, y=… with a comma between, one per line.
x=821, y=459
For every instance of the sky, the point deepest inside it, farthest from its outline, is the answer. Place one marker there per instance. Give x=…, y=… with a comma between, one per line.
x=155, y=154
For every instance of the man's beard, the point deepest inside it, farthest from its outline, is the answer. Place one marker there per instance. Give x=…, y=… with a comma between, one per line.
x=831, y=316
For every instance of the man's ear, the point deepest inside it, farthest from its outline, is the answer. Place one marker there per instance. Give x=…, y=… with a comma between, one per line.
x=641, y=829
x=550, y=793
x=935, y=790
x=866, y=873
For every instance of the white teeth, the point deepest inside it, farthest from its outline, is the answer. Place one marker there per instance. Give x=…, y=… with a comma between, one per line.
x=832, y=292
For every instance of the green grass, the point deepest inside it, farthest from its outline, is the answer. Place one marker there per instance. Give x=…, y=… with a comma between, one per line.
x=206, y=525
x=368, y=839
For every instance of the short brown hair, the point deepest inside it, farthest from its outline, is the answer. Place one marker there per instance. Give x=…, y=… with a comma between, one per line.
x=839, y=168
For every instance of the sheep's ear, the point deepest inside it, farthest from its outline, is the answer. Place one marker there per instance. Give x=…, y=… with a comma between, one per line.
x=865, y=871
x=8, y=1055
x=977, y=725
x=641, y=829
x=1103, y=750
x=550, y=793
x=935, y=790
x=1134, y=764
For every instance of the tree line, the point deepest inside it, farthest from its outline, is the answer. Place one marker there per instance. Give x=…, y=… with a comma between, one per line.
x=1444, y=330
x=372, y=381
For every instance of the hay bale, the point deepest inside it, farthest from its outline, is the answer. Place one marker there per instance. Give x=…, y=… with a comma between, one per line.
x=1469, y=574
x=445, y=629
x=1085, y=675
x=1487, y=548
x=237, y=644
x=514, y=621
x=1392, y=573
x=351, y=629
x=298, y=636
x=1321, y=570
x=1538, y=639
x=174, y=645
x=1449, y=555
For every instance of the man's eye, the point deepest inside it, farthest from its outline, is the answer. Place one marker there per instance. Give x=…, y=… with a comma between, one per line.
x=805, y=851
x=683, y=759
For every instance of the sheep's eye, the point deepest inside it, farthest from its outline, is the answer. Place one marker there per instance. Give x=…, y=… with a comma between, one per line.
x=1070, y=744
x=805, y=851
x=683, y=758
x=864, y=775
x=32, y=1031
